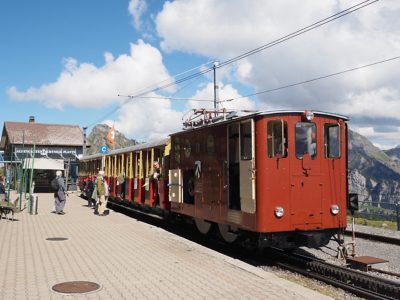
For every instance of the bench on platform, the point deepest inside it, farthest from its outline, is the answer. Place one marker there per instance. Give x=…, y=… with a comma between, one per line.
x=7, y=207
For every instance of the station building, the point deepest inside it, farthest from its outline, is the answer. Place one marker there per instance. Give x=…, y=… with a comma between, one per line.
x=40, y=149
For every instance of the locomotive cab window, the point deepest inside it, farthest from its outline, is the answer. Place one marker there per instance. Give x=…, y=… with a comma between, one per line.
x=277, y=138
x=332, y=140
x=306, y=142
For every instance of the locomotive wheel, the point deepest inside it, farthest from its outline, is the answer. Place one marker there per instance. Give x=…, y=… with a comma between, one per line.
x=202, y=225
x=228, y=233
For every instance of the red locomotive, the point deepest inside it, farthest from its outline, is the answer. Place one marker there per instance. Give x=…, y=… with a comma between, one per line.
x=276, y=178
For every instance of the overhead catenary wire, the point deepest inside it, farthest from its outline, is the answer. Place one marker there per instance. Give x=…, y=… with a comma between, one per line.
x=294, y=34
x=265, y=91
x=271, y=44
x=168, y=98
x=145, y=89
x=300, y=31
x=139, y=96
x=313, y=79
x=281, y=87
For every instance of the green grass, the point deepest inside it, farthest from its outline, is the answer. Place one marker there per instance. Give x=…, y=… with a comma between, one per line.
x=374, y=223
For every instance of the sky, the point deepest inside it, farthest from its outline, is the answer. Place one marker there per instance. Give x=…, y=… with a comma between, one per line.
x=75, y=62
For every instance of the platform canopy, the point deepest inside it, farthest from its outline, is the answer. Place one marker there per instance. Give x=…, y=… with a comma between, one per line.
x=44, y=164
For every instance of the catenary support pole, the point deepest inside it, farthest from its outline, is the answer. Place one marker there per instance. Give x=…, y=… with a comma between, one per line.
x=215, y=88
x=8, y=171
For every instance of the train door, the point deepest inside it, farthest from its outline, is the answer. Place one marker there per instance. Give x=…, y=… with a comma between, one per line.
x=233, y=166
x=136, y=178
x=241, y=167
x=128, y=176
x=146, y=172
x=306, y=186
x=155, y=174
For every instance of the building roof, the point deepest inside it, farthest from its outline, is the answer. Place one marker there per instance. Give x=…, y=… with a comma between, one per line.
x=41, y=134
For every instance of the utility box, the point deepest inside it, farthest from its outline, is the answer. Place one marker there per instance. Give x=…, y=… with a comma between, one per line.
x=33, y=207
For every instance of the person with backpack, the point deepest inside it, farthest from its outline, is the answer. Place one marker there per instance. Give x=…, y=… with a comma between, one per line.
x=89, y=192
x=101, y=193
x=58, y=187
x=2, y=189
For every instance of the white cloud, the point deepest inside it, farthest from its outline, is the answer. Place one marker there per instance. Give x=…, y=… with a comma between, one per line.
x=379, y=103
x=85, y=85
x=225, y=29
x=137, y=8
x=224, y=92
x=147, y=120
x=382, y=140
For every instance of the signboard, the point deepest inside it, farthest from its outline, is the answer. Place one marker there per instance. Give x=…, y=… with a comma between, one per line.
x=45, y=151
x=70, y=153
x=103, y=149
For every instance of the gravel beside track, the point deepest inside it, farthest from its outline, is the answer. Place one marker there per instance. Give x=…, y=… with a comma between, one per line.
x=365, y=248
x=376, y=230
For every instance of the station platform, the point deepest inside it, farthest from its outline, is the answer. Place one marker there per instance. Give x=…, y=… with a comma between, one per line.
x=127, y=258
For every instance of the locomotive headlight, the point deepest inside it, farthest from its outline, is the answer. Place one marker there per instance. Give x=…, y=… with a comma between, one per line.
x=334, y=209
x=279, y=211
x=309, y=115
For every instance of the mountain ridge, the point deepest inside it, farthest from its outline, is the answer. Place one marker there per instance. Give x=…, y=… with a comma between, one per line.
x=98, y=138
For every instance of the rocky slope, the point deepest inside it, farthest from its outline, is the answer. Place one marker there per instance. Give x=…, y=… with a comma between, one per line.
x=374, y=174
x=98, y=138
x=394, y=153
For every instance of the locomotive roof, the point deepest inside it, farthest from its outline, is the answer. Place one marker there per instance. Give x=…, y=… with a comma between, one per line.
x=137, y=147
x=281, y=112
x=264, y=113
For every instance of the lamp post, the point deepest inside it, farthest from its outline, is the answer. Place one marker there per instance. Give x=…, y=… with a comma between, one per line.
x=215, y=66
x=84, y=140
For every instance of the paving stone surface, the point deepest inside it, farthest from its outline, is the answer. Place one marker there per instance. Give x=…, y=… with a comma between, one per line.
x=128, y=258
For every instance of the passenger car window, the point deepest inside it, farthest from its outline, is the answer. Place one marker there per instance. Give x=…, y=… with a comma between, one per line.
x=276, y=138
x=332, y=140
x=306, y=142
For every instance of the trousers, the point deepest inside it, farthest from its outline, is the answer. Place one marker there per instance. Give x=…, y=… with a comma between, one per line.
x=59, y=204
x=102, y=204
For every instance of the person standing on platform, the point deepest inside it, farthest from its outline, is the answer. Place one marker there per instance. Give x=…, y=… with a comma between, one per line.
x=89, y=192
x=59, y=193
x=2, y=189
x=101, y=193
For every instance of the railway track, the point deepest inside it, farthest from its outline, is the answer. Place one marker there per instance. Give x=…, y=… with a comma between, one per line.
x=374, y=237
x=358, y=283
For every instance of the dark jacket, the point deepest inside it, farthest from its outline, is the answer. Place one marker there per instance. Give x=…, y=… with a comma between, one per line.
x=2, y=188
x=60, y=194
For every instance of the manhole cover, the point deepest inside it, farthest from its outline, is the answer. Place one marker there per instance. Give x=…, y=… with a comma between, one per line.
x=75, y=287
x=57, y=239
